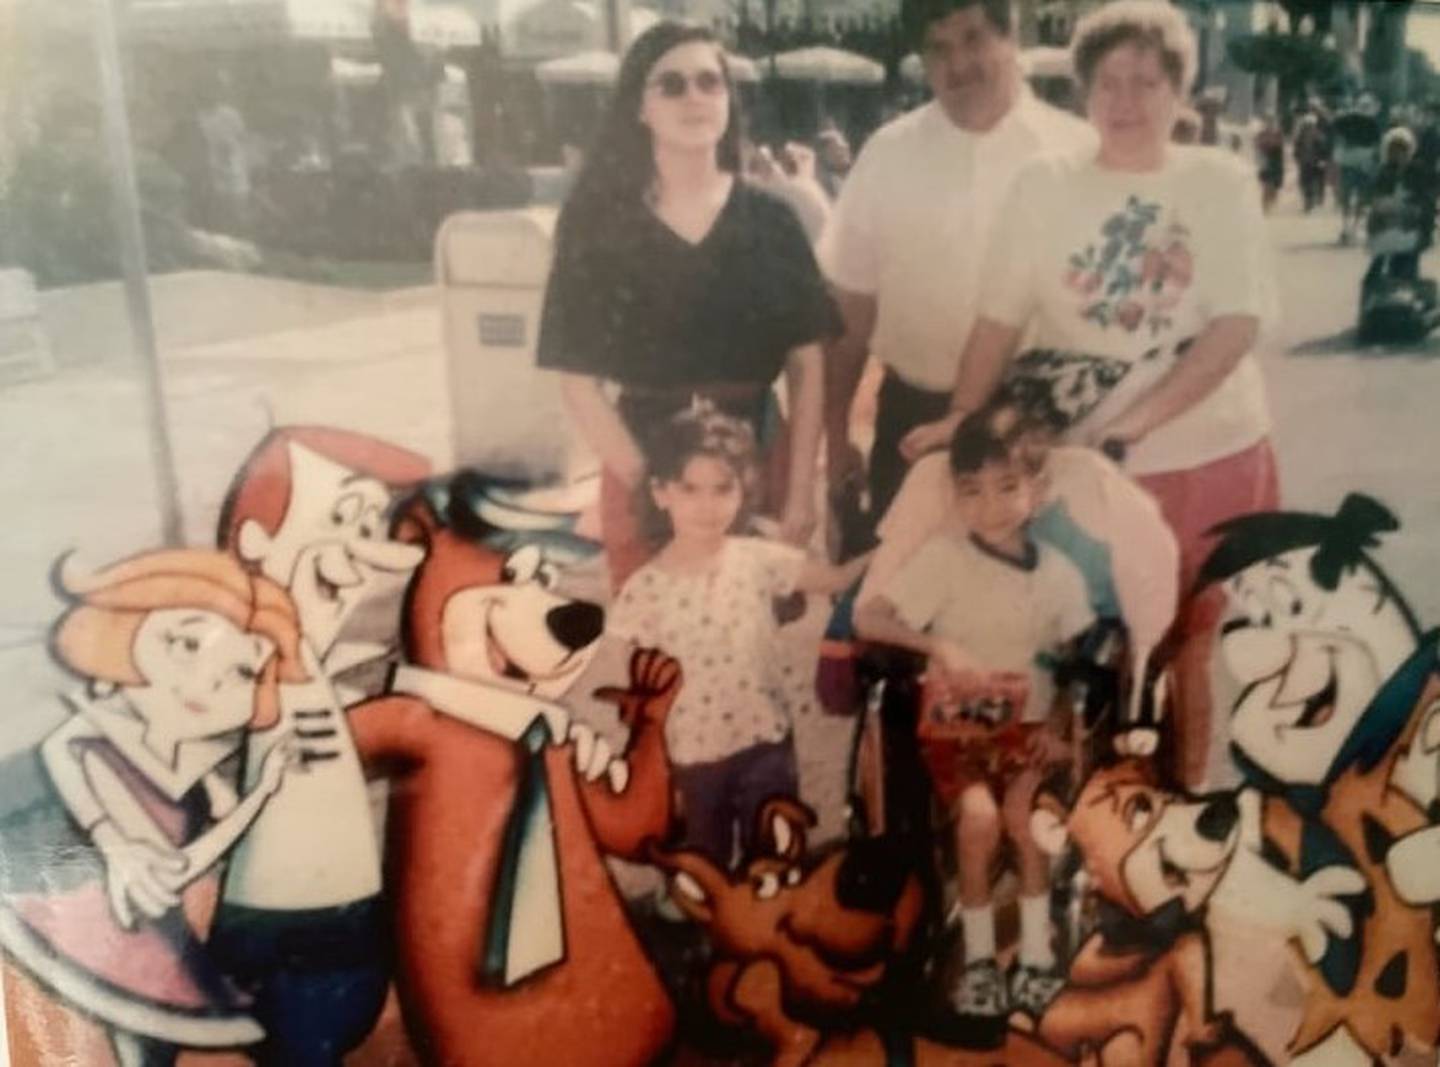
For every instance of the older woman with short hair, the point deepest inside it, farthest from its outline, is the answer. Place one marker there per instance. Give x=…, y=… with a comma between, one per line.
x=1142, y=273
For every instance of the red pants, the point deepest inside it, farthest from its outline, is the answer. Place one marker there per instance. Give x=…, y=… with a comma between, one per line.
x=1193, y=501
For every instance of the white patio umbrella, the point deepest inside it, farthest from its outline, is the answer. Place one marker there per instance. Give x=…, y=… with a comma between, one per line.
x=582, y=68
x=1047, y=62
x=355, y=73
x=240, y=23
x=602, y=68
x=912, y=68
x=443, y=26
x=833, y=66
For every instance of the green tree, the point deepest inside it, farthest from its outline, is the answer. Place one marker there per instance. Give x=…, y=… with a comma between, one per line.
x=1298, y=62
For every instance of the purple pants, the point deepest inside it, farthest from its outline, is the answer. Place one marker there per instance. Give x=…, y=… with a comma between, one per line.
x=720, y=800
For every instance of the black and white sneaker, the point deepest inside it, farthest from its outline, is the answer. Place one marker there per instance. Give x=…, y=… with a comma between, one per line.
x=1031, y=989
x=980, y=992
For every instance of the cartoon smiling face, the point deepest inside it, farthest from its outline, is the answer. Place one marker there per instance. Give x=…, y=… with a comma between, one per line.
x=332, y=551
x=519, y=633
x=1310, y=659
x=1144, y=846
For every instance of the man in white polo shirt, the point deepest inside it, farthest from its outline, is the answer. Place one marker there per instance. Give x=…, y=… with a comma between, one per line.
x=906, y=244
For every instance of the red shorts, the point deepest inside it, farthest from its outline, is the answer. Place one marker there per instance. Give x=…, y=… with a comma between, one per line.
x=961, y=751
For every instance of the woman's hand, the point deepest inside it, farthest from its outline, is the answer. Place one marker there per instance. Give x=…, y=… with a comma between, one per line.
x=928, y=437
x=138, y=875
x=798, y=522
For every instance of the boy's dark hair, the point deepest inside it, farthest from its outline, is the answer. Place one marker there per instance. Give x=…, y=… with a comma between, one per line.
x=917, y=15
x=1002, y=431
x=1340, y=541
x=701, y=430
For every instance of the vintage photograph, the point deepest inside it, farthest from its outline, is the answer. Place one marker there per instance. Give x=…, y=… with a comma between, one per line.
x=708, y=533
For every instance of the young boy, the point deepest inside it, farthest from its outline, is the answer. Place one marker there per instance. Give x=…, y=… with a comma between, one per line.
x=987, y=604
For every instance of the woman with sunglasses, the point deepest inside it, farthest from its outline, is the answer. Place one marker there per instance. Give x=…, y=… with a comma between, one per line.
x=676, y=279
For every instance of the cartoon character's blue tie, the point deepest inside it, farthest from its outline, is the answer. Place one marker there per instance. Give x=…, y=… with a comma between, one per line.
x=526, y=929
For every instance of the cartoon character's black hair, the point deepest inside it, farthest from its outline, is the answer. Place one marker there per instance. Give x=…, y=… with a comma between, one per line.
x=1340, y=540
x=492, y=511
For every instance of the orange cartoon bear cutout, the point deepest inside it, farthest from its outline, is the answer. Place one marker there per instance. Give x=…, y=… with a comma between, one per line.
x=511, y=942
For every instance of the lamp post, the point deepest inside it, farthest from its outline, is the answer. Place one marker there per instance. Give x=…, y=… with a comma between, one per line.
x=131, y=238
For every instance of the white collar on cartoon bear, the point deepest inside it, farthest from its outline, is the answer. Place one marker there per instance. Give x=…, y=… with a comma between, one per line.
x=489, y=707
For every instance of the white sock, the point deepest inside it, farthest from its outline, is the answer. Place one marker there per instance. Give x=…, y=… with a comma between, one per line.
x=1035, y=950
x=978, y=925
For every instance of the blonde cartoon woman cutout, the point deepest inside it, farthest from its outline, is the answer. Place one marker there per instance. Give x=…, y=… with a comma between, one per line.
x=181, y=651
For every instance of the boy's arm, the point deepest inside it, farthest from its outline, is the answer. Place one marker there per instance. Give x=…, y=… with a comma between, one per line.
x=879, y=620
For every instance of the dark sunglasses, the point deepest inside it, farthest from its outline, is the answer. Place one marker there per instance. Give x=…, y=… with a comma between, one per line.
x=672, y=83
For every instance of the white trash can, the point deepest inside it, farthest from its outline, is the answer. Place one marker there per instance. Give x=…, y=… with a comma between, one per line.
x=508, y=417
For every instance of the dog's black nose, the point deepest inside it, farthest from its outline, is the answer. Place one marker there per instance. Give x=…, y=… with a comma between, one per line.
x=873, y=875
x=576, y=624
x=1218, y=818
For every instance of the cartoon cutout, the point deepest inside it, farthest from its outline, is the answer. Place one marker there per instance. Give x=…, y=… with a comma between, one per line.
x=182, y=651
x=1337, y=733
x=803, y=945
x=512, y=943
x=1138, y=993
x=301, y=923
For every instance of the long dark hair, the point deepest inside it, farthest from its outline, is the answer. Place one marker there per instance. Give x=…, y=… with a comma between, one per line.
x=620, y=164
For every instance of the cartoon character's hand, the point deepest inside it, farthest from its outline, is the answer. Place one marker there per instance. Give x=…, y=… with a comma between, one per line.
x=1318, y=915
x=1141, y=742
x=137, y=874
x=655, y=681
x=1413, y=864
x=1210, y=1033
x=593, y=757
x=282, y=756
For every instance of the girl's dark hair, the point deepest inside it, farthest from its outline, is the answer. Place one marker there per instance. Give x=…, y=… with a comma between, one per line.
x=620, y=164
x=699, y=431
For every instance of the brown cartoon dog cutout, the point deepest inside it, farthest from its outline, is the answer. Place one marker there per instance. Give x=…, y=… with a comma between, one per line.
x=1140, y=988
x=801, y=942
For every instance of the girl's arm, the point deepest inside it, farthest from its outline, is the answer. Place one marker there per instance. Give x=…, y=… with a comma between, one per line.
x=138, y=860
x=878, y=620
x=987, y=353
x=805, y=382
x=1215, y=353
x=205, y=851
x=601, y=426
x=67, y=774
x=832, y=579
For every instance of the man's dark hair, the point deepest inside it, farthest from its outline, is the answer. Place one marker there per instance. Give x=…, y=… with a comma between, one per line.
x=1340, y=541
x=917, y=15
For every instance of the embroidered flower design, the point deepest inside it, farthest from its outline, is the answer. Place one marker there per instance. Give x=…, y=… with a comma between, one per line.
x=1136, y=274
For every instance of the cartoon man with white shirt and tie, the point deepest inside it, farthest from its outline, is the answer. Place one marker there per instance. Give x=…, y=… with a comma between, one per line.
x=301, y=922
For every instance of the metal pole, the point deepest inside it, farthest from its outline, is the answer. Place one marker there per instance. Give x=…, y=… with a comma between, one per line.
x=617, y=25
x=145, y=351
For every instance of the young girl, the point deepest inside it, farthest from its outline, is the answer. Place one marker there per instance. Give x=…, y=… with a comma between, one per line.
x=705, y=598
x=182, y=651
